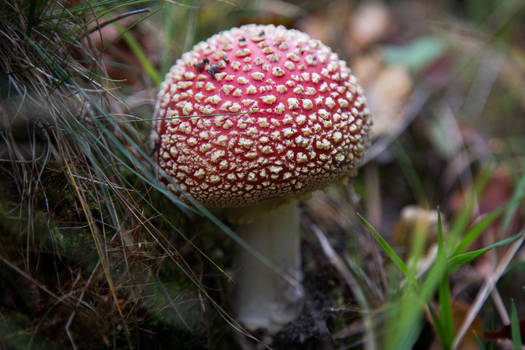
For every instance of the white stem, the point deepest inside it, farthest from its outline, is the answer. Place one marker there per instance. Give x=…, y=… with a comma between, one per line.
x=264, y=299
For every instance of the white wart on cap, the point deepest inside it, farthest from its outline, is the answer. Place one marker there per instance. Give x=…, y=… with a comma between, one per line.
x=258, y=112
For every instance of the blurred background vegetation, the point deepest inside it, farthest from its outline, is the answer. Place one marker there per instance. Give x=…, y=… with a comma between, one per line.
x=95, y=254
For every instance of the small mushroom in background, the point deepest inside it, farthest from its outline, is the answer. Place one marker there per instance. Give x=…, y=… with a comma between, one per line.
x=417, y=223
x=249, y=120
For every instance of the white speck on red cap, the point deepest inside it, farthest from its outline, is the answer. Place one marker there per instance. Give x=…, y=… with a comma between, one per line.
x=294, y=119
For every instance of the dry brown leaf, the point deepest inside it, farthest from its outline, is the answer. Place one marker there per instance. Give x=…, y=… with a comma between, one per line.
x=387, y=97
x=459, y=311
x=367, y=67
x=387, y=89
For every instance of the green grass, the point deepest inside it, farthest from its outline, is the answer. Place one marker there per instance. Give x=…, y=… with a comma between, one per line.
x=515, y=328
x=102, y=175
x=410, y=302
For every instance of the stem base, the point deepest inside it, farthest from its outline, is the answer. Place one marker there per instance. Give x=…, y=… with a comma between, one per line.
x=265, y=298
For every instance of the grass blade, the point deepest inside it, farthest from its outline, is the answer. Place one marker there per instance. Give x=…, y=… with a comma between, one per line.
x=481, y=346
x=459, y=260
x=462, y=220
x=476, y=231
x=396, y=259
x=140, y=54
x=440, y=231
x=438, y=328
x=447, y=323
x=514, y=203
x=515, y=327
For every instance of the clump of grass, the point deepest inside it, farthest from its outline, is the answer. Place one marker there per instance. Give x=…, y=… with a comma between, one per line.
x=85, y=260
x=415, y=294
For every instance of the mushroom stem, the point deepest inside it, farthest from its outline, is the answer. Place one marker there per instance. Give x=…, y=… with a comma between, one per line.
x=265, y=298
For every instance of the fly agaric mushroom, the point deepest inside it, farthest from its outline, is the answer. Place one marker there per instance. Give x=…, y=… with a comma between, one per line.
x=253, y=117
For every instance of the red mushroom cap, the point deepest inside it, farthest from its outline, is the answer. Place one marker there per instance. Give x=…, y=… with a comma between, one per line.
x=258, y=112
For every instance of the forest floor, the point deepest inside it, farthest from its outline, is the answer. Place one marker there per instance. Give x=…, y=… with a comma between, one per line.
x=422, y=249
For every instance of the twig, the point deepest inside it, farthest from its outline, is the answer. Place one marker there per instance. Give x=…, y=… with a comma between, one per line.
x=79, y=300
x=378, y=294
x=30, y=278
x=502, y=311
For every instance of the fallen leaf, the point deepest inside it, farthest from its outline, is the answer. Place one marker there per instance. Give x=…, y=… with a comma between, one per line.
x=416, y=55
x=387, y=97
x=459, y=312
x=367, y=67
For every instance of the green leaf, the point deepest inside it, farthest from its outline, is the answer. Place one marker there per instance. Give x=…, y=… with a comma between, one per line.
x=476, y=231
x=514, y=203
x=438, y=328
x=440, y=230
x=443, y=325
x=417, y=54
x=461, y=222
x=140, y=54
x=481, y=346
x=396, y=259
x=459, y=260
x=446, y=320
x=515, y=327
